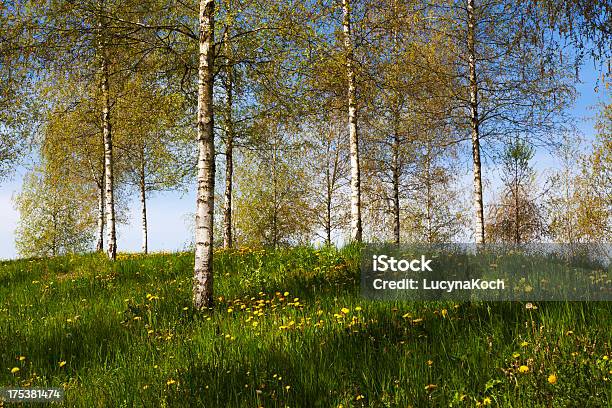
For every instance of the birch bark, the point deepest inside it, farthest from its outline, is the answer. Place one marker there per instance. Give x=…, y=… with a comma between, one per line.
x=356, y=227
x=111, y=243
x=100, y=234
x=229, y=147
x=203, y=267
x=143, y=206
x=474, y=125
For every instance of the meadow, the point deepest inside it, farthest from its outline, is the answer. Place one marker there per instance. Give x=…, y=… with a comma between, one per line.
x=289, y=329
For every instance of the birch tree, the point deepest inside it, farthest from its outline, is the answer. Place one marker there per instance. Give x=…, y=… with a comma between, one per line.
x=273, y=207
x=356, y=227
x=229, y=140
x=586, y=211
x=86, y=48
x=326, y=165
x=203, y=268
x=513, y=78
x=104, y=78
x=435, y=210
x=517, y=217
x=153, y=143
x=407, y=106
x=56, y=215
x=73, y=141
x=478, y=205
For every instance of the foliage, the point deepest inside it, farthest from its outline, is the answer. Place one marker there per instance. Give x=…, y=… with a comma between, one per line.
x=595, y=183
x=273, y=203
x=56, y=216
x=517, y=216
x=580, y=206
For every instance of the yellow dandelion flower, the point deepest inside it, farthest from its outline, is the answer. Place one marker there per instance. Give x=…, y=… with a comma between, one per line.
x=14, y=370
x=516, y=355
x=359, y=397
x=444, y=312
x=230, y=310
x=523, y=369
x=486, y=401
x=552, y=379
x=344, y=310
x=170, y=382
x=286, y=294
x=21, y=358
x=287, y=387
x=358, y=309
x=61, y=364
x=605, y=358
x=524, y=344
x=429, y=363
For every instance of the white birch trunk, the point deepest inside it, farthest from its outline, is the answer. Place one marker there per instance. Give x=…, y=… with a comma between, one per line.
x=100, y=234
x=111, y=249
x=203, y=268
x=396, y=171
x=229, y=148
x=328, y=191
x=143, y=207
x=474, y=125
x=429, y=195
x=356, y=228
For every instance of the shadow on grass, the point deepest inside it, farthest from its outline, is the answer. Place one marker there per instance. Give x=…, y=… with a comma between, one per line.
x=81, y=344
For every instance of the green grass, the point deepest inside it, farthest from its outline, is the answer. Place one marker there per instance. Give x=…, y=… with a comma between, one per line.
x=129, y=337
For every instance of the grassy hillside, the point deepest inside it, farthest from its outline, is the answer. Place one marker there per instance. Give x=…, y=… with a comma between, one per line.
x=289, y=329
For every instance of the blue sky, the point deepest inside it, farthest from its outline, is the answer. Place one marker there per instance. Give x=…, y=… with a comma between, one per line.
x=169, y=212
